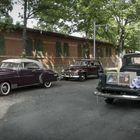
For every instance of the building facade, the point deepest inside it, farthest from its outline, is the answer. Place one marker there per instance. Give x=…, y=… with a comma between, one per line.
x=53, y=49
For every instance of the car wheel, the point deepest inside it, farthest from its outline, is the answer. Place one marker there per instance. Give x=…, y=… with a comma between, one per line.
x=65, y=78
x=5, y=88
x=47, y=84
x=109, y=100
x=82, y=77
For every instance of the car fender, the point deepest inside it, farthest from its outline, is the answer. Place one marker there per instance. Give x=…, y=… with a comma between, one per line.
x=82, y=71
x=44, y=77
x=40, y=78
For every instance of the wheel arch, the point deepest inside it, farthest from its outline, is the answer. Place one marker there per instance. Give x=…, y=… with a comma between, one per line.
x=44, y=77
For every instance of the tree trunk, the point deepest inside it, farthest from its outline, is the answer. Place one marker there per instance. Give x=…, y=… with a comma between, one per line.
x=25, y=26
x=121, y=42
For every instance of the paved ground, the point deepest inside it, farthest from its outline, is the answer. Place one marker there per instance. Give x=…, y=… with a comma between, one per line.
x=67, y=111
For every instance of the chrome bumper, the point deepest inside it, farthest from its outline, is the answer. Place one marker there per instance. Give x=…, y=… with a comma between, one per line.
x=70, y=76
x=108, y=95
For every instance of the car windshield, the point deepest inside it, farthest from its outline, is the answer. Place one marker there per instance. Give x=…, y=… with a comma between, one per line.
x=131, y=61
x=135, y=60
x=9, y=65
x=81, y=63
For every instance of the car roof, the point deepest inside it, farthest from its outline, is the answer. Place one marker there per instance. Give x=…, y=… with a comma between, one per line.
x=23, y=60
x=132, y=55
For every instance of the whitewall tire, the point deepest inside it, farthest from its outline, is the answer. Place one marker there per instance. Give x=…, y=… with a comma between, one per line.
x=5, y=88
x=47, y=84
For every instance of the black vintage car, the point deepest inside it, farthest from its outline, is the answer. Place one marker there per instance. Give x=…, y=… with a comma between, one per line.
x=15, y=73
x=124, y=84
x=83, y=69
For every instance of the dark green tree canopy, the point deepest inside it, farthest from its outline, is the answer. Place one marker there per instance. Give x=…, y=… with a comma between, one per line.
x=5, y=7
x=5, y=19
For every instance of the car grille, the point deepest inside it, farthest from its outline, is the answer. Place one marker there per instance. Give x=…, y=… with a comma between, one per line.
x=69, y=73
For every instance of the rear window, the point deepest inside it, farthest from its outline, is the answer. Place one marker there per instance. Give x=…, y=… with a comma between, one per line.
x=131, y=61
x=135, y=60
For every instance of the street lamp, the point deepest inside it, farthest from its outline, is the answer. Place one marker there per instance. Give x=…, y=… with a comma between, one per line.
x=94, y=36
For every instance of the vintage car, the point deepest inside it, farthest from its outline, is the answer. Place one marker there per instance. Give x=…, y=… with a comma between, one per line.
x=15, y=73
x=124, y=84
x=82, y=69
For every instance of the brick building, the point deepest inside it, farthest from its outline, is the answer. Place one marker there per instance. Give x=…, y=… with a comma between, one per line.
x=54, y=49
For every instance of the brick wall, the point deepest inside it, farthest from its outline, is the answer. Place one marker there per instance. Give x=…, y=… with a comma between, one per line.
x=14, y=47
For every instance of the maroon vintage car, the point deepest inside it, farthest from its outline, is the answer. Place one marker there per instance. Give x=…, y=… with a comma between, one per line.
x=15, y=73
x=83, y=69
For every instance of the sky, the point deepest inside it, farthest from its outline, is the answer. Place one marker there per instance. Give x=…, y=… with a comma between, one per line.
x=15, y=15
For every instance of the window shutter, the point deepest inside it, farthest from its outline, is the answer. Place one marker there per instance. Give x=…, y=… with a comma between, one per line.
x=29, y=47
x=39, y=47
x=66, y=50
x=2, y=46
x=79, y=50
x=58, y=49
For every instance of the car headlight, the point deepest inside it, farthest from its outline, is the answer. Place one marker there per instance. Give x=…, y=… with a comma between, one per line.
x=76, y=71
x=62, y=70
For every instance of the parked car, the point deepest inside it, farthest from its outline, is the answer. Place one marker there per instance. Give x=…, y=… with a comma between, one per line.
x=83, y=69
x=15, y=73
x=124, y=84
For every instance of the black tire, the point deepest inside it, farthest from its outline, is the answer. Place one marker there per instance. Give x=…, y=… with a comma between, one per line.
x=66, y=78
x=82, y=77
x=5, y=88
x=109, y=100
x=47, y=84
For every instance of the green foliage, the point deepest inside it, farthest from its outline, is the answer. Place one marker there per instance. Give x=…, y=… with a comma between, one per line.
x=88, y=12
x=122, y=17
x=55, y=15
x=31, y=8
x=5, y=19
x=6, y=24
x=5, y=7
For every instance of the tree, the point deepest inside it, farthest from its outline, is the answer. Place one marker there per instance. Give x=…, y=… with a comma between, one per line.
x=70, y=16
x=56, y=15
x=29, y=11
x=5, y=19
x=89, y=11
x=123, y=15
x=5, y=7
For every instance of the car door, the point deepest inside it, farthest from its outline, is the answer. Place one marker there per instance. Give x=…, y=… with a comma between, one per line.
x=29, y=73
x=93, y=69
